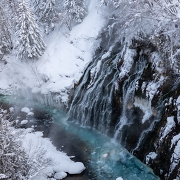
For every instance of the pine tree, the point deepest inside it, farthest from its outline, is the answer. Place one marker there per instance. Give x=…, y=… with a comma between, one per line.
x=74, y=10
x=30, y=42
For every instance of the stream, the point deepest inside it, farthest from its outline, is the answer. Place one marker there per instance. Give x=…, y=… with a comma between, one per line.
x=103, y=157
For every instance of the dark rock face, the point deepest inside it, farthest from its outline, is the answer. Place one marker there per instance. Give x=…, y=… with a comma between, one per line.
x=131, y=107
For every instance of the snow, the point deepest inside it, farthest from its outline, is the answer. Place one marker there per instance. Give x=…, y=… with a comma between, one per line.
x=106, y=55
x=175, y=139
x=66, y=56
x=61, y=164
x=119, y=178
x=128, y=62
x=25, y=109
x=30, y=114
x=152, y=87
x=11, y=109
x=145, y=106
x=178, y=108
x=60, y=175
x=151, y=155
x=3, y=176
x=175, y=156
x=168, y=127
x=178, y=100
x=23, y=122
x=105, y=155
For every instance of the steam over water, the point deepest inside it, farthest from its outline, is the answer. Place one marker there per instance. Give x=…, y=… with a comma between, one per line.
x=103, y=158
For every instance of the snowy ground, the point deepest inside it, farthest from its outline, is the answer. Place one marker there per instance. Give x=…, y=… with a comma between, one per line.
x=66, y=56
x=53, y=163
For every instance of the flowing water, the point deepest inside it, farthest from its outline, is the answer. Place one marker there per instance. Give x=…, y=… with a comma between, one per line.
x=129, y=88
x=104, y=159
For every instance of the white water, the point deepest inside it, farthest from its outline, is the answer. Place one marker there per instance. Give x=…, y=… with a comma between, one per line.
x=129, y=88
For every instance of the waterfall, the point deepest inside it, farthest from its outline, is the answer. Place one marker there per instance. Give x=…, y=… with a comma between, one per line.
x=129, y=88
x=93, y=99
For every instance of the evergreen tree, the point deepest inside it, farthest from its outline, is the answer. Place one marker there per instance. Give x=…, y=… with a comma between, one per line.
x=47, y=10
x=46, y=14
x=74, y=10
x=5, y=36
x=30, y=42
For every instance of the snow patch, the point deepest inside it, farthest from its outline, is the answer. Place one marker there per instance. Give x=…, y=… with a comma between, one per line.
x=151, y=155
x=11, y=109
x=152, y=87
x=23, y=122
x=30, y=114
x=145, y=106
x=3, y=176
x=25, y=109
x=168, y=127
x=127, y=63
x=119, y=178
x=175, y=157
x=174, y=140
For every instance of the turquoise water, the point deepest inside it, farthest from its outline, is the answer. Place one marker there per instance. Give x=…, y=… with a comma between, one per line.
x=106, y=158
x=109, y=159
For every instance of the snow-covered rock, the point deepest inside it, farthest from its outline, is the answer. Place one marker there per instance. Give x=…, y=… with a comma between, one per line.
x=119, y=178
x=151, y=155
x=25, y=109
x=23, y=122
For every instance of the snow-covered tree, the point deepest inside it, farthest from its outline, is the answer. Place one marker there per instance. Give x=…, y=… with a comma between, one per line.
x=46, y=13
x=75, y=10
x=45, y=10
x=30, y=42
x=13, y=159
x=5, y=36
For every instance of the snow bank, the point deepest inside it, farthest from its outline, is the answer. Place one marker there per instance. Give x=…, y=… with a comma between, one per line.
x=60, y=165
x=66, y=56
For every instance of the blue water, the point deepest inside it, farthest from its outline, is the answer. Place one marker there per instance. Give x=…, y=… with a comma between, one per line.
x=107, y=159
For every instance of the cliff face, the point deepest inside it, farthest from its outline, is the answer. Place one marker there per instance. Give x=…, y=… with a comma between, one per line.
x=130, y=91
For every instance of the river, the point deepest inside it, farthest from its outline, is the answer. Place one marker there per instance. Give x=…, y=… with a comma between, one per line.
x=103, y=157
